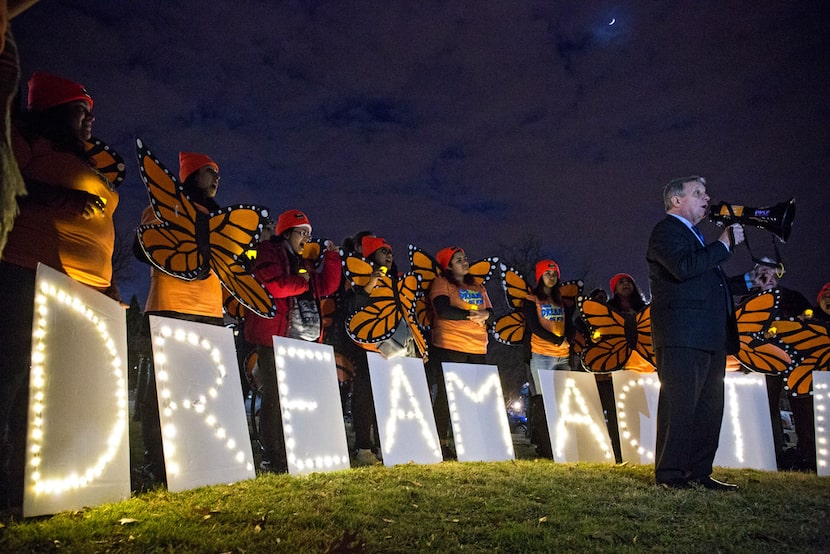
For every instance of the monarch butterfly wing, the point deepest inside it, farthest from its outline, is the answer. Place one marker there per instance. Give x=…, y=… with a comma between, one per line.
x=232, y=307
x=514, y=285
x=645, y=344
x=424, y=265
x=484, y=269
x=106, y=161
x=171, y=245
x=357, y=270
x=427, y=269
x=608, y=349
x=809, y=343
x=509, y=329
x=314, y=251
x=408, y=291
x=377, y=320
x=570, y=291
x=232, y=231
x=328, y=308
x=757, y=354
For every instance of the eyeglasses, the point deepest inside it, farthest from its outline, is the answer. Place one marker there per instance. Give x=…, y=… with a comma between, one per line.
x=302, y=232
x=384, y=251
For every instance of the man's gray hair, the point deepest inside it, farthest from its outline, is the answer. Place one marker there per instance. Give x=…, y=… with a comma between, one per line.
x=675, y=188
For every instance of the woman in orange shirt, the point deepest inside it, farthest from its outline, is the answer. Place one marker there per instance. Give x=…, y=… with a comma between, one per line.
x=65, y=222
x=461, y=311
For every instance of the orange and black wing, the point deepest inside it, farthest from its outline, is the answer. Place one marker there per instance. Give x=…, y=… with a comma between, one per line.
x=171, y=245
x=808, y=342
x=757, y=353
x=106, y=161
x=613, y=338
x=357, y=270
x=484, y=269
x=509, y=329
x=187, y=241
x=427, y=269
x=377, y=320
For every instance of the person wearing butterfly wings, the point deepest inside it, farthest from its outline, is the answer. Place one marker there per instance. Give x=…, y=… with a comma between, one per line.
x=297, y=288
x=198, y=300
x=378, y=252
x=64, y=221
x=693, y=328
x=549, y=323
x=461, y=311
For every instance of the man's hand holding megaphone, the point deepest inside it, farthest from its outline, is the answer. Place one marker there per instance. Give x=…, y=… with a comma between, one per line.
x=732, y=236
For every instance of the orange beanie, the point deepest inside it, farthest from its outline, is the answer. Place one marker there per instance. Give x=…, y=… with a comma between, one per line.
x=192, y=161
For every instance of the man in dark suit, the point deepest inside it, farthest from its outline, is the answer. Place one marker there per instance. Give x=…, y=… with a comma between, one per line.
x=693, y=327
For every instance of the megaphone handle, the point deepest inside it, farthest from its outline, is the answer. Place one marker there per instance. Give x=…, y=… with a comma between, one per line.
x=731, y=238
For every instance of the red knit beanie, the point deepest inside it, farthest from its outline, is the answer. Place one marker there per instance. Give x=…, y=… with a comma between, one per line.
x=370, y=245
x=47, y=91
x=190, y=162
x=616, y=278
x=291, y=219
x=444, y=256
x=824, y=289
x=546, y=265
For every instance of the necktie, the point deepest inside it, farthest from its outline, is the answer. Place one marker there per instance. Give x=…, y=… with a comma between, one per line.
x=699, y=235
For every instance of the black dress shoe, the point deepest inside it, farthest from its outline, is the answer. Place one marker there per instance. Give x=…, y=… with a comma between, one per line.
x=675, y=484
x=714, y=485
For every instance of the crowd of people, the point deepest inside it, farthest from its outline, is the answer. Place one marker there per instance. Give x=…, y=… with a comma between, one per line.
x=65, y=221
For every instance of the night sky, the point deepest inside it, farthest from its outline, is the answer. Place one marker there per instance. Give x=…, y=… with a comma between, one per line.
x=468, y=123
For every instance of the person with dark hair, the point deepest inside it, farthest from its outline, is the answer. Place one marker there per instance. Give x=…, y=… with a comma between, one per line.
x=65, y=222
x=297, y=289
x=461, y=310
x=550, y=325
x=199, y=300
x=378, y=252
x=693, y=328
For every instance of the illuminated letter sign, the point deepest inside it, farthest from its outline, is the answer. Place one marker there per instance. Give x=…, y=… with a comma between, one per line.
x=574, y=415
x=635, y=396
x=404, y=411
x=312, y=415
x=745, y=436
x=746, y=431
x=77, y=453
x=203, y=425
x=477, y=413
x=821, y=400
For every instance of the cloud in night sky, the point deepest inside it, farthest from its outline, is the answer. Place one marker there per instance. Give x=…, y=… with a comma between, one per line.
x=469, y=123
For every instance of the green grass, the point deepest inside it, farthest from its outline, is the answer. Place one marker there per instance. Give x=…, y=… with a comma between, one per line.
x=520, y=506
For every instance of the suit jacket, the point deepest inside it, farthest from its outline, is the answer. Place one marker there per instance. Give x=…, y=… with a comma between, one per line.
x=691, y=303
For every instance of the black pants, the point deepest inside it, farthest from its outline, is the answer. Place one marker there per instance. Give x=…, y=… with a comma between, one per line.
x=689, y=412
x=17, y=292
x=270, y=415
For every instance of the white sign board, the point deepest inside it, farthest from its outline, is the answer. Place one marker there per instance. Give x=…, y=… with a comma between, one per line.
x=77, y=451
x=635, y=396
x=202, y=413
x=574, y=414
x=746, y=432
x=403, y=410
x=312, y=415
x=821, y=405
x=477, y=413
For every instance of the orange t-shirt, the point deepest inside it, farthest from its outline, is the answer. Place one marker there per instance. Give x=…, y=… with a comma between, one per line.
x=552, y=318
x=461, y=335
x=59, y=236
x=168, y=293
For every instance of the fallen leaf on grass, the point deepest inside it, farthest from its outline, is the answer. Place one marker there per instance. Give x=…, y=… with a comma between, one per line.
x=543, y=519
x=127, y=520
x=389, y=520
